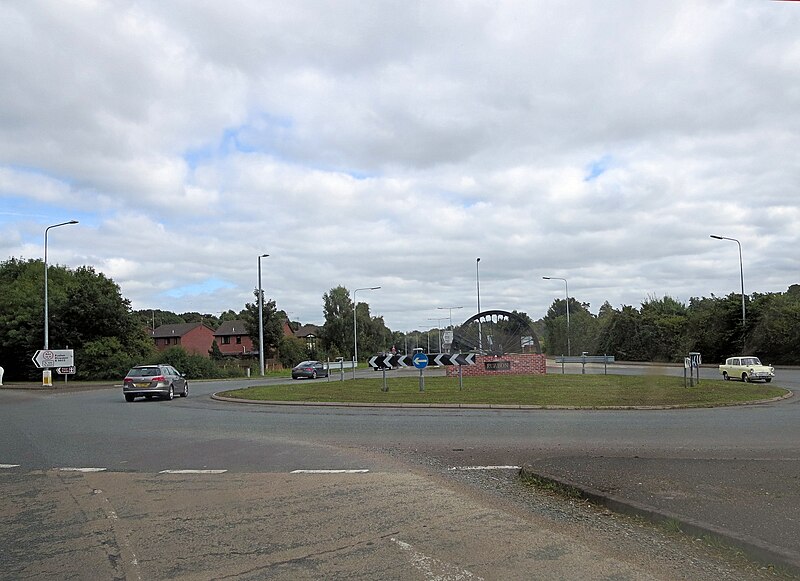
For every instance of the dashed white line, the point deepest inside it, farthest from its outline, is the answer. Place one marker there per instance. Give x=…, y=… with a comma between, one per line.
x=484, y=468
x=9, y=465
x=193, y=471
x=329, y=471
x=73, y=469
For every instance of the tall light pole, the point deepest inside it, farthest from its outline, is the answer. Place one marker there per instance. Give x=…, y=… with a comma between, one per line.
x=46, y=314
x=741, y=276
x=478, y=281
x=260, y=320
x=451, y=313
x=439, y=328
x=355, y=329
x=566, y=289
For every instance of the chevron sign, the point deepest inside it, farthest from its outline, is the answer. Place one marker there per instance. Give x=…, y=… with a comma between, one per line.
x=379, y=361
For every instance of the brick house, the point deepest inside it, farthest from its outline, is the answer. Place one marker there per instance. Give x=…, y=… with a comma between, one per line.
x=233, y=339
x=309, y=334
x=195, y=338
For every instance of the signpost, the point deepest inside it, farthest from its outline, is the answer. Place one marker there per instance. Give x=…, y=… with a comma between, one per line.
x=48, y=358
x=420, y=361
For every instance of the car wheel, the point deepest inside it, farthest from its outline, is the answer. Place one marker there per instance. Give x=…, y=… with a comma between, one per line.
x=171, y=394
x=725, y=376
x=185, y=390
x=768, y=379
x=314, y=374
x=745, y=378
x=129, y=398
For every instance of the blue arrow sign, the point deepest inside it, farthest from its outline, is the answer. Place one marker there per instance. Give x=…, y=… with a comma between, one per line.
x=420, y=360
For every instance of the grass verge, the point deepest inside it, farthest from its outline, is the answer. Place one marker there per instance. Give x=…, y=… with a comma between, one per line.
x=590, y=391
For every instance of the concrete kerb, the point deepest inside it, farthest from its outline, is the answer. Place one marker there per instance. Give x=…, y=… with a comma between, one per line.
x=481, y=406
x=754, y=548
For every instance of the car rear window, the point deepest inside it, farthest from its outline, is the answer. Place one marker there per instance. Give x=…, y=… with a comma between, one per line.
x=144, y=372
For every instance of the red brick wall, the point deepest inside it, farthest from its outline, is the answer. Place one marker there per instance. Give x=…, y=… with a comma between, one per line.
x=234, y=348
x=198, y=340
x=521, y=364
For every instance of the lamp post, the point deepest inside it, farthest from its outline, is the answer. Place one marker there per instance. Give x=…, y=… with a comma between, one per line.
x=478, y=282
x=46, y=307
x=451, y=313
x=566, y=289
x=439, y=328
x=355, y=329
x=741, y=276
x=260, y=320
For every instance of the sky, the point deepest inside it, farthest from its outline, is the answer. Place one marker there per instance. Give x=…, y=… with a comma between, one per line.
x=392, y=143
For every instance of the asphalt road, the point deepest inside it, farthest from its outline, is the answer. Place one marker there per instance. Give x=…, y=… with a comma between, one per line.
x=711, y=463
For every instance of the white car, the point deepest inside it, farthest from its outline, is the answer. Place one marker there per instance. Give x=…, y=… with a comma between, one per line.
x=746, y=368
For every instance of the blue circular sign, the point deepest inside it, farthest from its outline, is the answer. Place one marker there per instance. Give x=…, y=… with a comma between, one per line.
x=420, y=360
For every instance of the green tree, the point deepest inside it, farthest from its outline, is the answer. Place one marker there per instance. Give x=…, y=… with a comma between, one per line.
x=337, y=331
x=272, y=321
x=86, y=313
x=582, y=328
x=292, y=351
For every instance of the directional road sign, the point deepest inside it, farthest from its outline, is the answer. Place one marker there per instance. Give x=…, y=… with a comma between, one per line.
x=47, y=358
x=393, y=361
x=420, y=360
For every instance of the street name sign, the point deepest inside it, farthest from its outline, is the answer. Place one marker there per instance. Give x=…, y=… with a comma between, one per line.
x=47, y=358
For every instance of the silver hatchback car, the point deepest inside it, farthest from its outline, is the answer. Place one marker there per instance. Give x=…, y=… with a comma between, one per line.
x=151, y=380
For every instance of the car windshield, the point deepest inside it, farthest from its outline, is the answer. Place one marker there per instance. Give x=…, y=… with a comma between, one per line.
x=305, y=364
x=143, y=372
x=751, y=361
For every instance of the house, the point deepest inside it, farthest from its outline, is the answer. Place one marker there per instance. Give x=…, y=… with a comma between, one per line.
x=309, y=334
x=195, y=338
x=233, y=339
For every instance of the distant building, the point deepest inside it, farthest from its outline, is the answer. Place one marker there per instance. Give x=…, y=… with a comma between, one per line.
x=195, y=338
x=310, y=334
x=233, y=339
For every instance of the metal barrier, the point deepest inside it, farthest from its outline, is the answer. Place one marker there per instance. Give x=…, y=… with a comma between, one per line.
x=584, y=359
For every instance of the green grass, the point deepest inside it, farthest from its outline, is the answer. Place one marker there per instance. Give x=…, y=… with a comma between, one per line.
x=538, y=390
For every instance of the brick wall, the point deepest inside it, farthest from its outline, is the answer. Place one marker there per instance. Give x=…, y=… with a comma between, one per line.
x=520, y=363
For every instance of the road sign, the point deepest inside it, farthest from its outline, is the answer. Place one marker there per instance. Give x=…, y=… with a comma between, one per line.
x=420, y=360
x=66, y=370
x=393, y=361
x=47, y=358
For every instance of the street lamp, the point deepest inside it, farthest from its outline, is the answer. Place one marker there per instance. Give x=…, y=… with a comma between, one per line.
x=741, y=276
x=355, y=330
x=451, y=313
x=260, y=320
x=439, y=328
x=46, y=316
x=478, y=280
x=566, y=289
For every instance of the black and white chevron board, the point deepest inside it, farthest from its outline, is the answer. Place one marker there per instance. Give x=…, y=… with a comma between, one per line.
x=379, y=361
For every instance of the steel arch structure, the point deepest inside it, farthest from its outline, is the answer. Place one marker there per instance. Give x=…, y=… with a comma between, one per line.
x=495, y=333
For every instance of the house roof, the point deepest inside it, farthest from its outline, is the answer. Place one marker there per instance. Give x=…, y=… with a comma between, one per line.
x=176, y=330
x=231, y=328
x=308, y=330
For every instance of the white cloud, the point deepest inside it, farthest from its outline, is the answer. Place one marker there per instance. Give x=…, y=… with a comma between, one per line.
x=392, y=144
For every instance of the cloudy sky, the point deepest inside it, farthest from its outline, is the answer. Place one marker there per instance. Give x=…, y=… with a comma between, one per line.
x=391, y=143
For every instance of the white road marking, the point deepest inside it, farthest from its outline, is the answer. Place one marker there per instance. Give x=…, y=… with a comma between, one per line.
x=71, y=469
x=434, y=569
x=193, y=472
x=9, y=465
x=329, y=471
x=484, y=468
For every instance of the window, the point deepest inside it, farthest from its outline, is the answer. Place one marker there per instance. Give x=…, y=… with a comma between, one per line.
x=238, y=339
x=226, y=340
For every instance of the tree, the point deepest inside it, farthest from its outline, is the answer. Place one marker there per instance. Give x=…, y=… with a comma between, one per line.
x=272, y=321
x=337, y=334
x=582, y=327
x=86, y=313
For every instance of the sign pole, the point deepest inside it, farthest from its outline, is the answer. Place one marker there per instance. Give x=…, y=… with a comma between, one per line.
x=385, y=387
x=460, y=379
x=421, y=381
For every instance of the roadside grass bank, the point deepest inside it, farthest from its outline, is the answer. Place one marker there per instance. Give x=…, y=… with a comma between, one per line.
x=589, y=391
